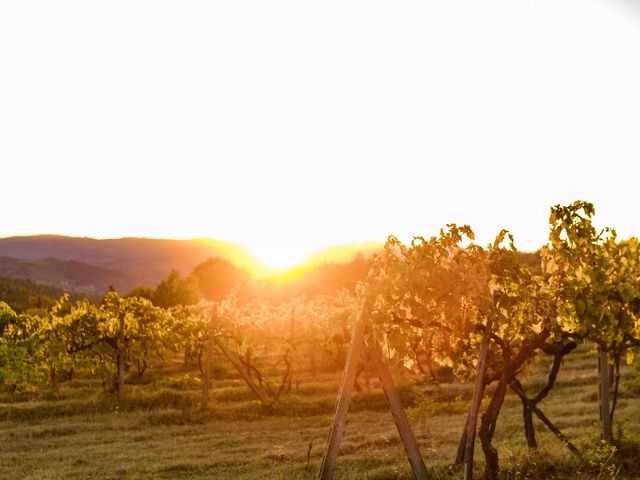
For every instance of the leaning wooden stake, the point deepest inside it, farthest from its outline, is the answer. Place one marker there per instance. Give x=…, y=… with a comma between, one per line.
x=344, y=398
x=475, y=403
x=462, y=444
x=399, y=415
x=238, y=366
x=122, y=349
x=206, y=386
x=604, y=384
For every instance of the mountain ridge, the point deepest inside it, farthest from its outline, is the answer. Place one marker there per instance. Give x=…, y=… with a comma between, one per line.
x=89, y=266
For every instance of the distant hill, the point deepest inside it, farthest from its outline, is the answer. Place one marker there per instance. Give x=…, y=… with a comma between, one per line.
x=88, y=266
x=68, y=275
x=24, y=294
x=146, y=258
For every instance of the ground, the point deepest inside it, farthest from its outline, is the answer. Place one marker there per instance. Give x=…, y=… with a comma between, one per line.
x=159, y=431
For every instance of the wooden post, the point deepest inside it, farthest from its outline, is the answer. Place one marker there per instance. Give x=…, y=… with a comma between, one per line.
x=462, y=444
x=238, y=366
x=206, y=386
x=121, y=355
x=344, y=398
x=53, y=378
x=313, y=366
x=292, y=345
x=475, y=403
x=604, y=382
x=399, y=415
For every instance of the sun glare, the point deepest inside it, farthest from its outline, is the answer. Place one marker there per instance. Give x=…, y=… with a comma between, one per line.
x=285, y=260
x=278, y=259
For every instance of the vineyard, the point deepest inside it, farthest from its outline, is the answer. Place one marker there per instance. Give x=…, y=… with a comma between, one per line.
x=505, y=365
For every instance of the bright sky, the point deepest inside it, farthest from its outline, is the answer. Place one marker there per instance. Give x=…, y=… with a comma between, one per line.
x=292, y=126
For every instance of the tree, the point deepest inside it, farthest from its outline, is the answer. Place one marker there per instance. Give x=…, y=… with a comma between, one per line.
x=55, y=338
x=600, y=291
x=117, y=333
x=142, y=292
x=217, y=277
x=18, y=348
x=175, y=290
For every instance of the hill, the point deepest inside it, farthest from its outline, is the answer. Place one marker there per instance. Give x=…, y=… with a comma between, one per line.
x=88, y=266
x=67, y=275
x=146, y=258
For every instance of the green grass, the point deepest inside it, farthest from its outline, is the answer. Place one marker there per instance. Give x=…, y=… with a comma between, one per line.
x=159, y=431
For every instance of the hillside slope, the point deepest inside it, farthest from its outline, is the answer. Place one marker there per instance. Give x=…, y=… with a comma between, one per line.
x=123, y=263
x=88, y=266
x=67, y=275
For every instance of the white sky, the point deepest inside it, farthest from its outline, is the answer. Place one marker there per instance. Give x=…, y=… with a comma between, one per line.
x=292, y=126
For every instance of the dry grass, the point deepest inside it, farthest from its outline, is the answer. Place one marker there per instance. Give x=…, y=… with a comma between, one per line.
x=159, y=431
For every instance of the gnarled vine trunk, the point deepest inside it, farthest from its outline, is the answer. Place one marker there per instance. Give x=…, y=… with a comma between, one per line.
x=488, y=426
x=511, y=365
x=475, y=403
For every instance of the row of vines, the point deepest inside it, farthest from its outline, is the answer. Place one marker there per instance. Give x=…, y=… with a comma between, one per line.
x=487, y=314
x=120, y=337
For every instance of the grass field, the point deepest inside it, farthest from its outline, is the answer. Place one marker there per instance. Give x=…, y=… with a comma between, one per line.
x=159, y=431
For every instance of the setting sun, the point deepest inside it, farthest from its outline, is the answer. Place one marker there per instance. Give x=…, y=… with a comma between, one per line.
x=277, y=259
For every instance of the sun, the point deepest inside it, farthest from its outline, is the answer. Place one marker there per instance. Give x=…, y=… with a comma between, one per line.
x=278, y=258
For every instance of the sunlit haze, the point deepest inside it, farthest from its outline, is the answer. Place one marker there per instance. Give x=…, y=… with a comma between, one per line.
x=289, y=127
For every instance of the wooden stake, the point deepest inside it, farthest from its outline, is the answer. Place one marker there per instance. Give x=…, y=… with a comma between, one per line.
x=121, y=355
x=475, y=403
x=462, y=444
x=238, y=366
x=604, y=382
x=344, y=398
x=399, y=415
x=206, y=386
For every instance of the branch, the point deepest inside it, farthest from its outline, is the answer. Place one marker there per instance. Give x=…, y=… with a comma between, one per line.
x=415, y=322
x=553, y=374
x=516, y=387
x=501, y=343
